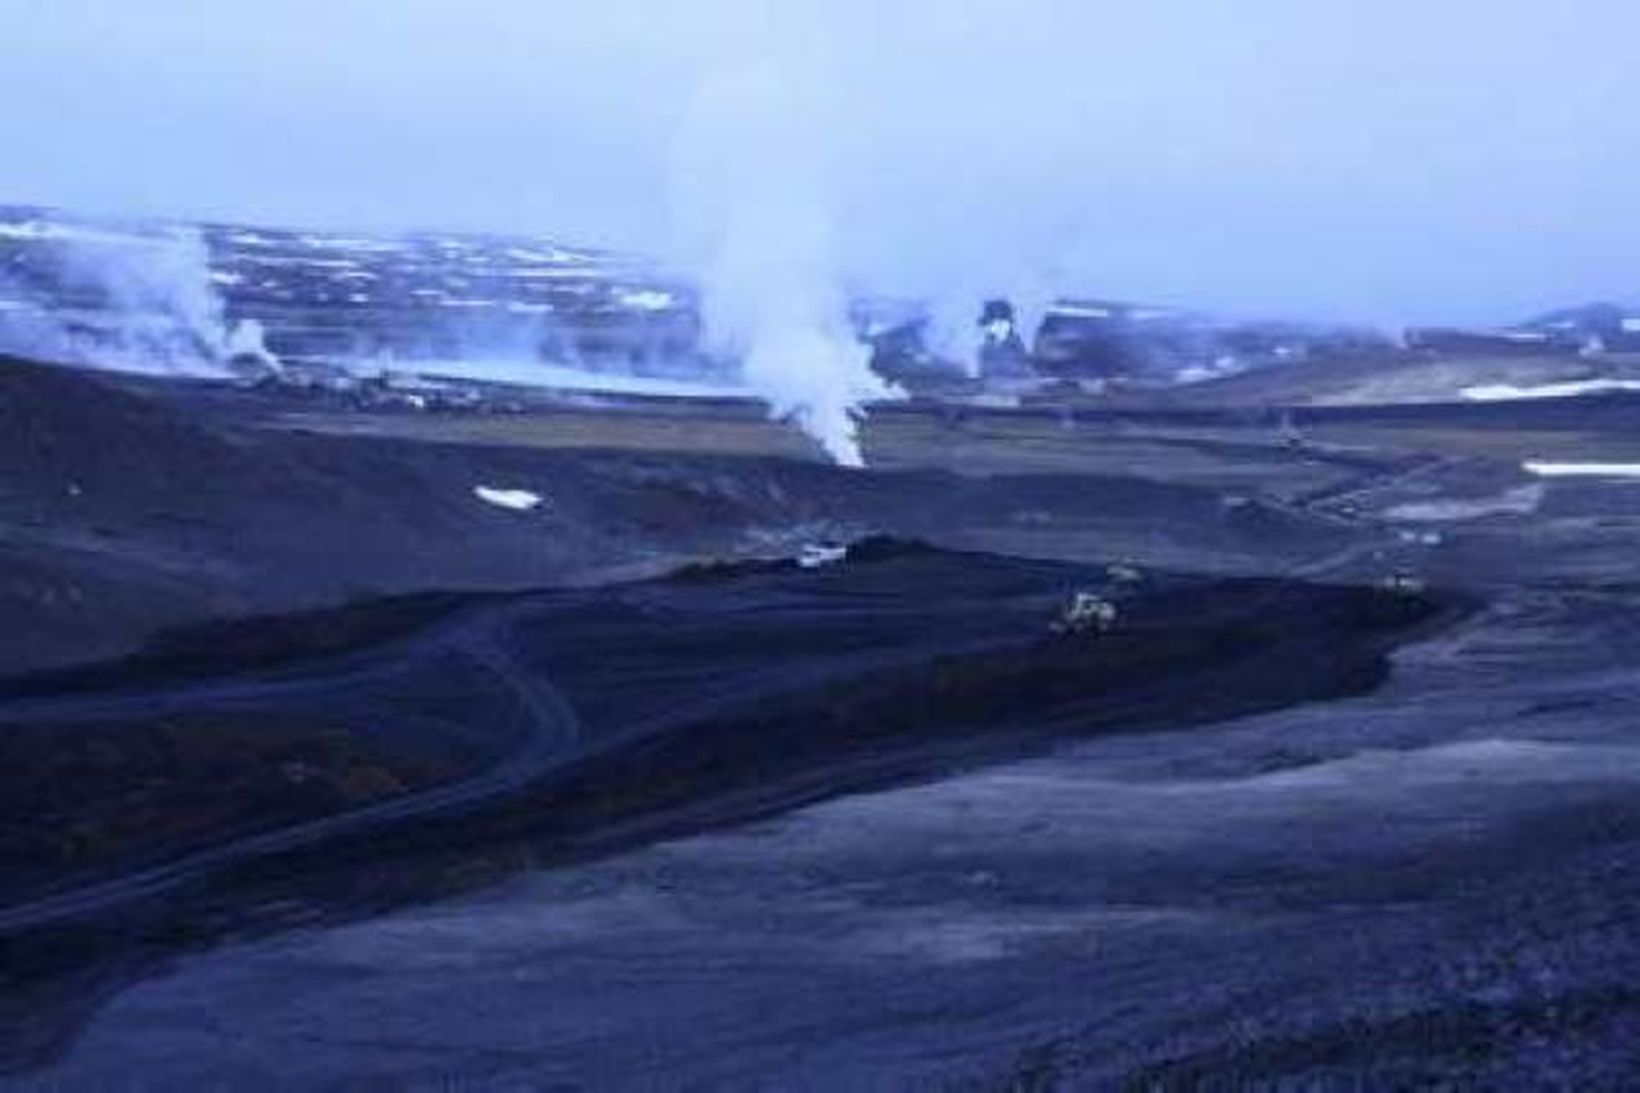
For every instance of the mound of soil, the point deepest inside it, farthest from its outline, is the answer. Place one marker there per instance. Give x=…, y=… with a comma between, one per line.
x=690, y=702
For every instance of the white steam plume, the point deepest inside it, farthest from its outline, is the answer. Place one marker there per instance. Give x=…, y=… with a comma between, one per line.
x=756, y=221
x=123, y=299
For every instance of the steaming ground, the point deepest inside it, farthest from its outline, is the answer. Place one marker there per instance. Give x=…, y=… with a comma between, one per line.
x=1432, y=880
x=214, y=300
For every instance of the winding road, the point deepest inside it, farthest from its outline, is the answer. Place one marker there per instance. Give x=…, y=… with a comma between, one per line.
x=548, y=728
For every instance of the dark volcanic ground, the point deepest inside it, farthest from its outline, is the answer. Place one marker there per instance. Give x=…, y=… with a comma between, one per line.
x=1314, y=875
x=125, y=508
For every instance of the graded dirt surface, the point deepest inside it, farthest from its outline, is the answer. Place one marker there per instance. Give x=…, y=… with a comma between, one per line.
x=1420, y=871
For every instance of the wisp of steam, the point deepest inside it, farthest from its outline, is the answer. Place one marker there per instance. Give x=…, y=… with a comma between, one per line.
x=756, y=222
x=137, y=300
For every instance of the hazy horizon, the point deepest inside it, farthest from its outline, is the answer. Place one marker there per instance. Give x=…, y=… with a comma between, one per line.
x=1385, y=164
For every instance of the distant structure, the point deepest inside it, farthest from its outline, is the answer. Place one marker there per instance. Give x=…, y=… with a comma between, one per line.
x=1510, y=342
x=1002, y=352
x=1593, y=329
x=1093, y=345
x=896, y=331
x=1103, y=340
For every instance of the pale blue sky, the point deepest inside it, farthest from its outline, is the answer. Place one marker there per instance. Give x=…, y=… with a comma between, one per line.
x=1380, y=159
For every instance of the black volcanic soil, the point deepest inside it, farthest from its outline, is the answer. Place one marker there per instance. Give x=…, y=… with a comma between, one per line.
x=98, y=797
x=697, y=700
x=1324, y=863
x=127, y=507
x=762, y=683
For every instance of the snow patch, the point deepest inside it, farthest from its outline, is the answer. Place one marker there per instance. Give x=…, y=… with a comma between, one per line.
x=554, y=255
x=1582, y=470
x=645, y=299
x=513, y=499
x=1507, y=392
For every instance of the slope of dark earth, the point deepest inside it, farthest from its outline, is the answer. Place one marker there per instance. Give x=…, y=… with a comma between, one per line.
x=1432, y=880
x=248, y=643
x=124, y=511
x=695, y=701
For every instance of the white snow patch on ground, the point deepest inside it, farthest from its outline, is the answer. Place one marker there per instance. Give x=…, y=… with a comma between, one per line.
x=645, y=299
x=300, y=261
x=1583, y=470
x=323, y=263
x=516, y=500
x=548, y=255
x=1508, y=392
